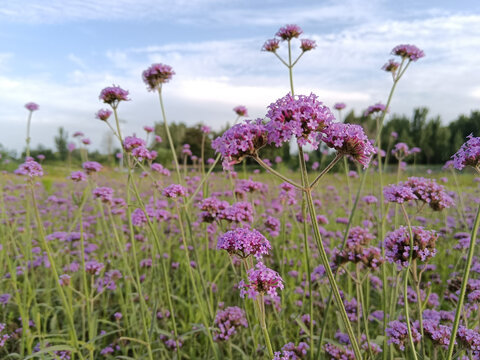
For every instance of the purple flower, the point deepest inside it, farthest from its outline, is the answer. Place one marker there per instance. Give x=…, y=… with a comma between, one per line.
x=397, y=245
x=244, y=242
x=398, y=193
x=94, y=267
x=240, y=110
x=307, y=44
x=400, y=150
x=288, y=32
x=78, y=176
x=103, y=114
x=241, y=211
x=397, y=333
x=292, y=352
x=239, y=141
x=212, y=209
x=468, y=154
x=261, y=280
x=431, y=193
x=173, y=191
x=271, y=45
x=30, y=168
x=64, y=280
x=149, y=129
x=374, y=109
x=156, y=75
x=228, y=321
x=105, y=194
x=113, y=95
x=410, y=52
x=301, y=116
x=469, y=339
x=391, y=66
x=350, y=139
x=31, y=106
x=339, y=106
x=91, y=167
x=439, y=334
x=334, y=352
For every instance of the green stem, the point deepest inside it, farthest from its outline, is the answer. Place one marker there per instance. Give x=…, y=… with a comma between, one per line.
x=28, y=134
x=466, y=273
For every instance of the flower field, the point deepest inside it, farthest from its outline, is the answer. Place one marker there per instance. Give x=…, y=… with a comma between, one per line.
x=347, y=257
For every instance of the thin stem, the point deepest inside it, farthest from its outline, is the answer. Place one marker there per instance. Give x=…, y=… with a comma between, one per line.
x=290, y=67
x=327, y=169
x=169, y=136
x=27, y=152
x=276, y=173
x=466, y=273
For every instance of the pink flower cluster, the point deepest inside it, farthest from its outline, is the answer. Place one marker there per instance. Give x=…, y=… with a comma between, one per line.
x=240, y=110
x=156, y=75
x=261, y=280
x=113, y=95
x=103, y=114
x=228, y=321
x=31, y=106
x=30, y=168
x=244, y=242
x=287, y=33
x=174, y=191
x=91, y=167
x=406, y=51
x=468, y=154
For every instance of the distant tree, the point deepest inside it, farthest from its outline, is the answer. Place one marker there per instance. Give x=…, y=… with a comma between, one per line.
x=61, y=141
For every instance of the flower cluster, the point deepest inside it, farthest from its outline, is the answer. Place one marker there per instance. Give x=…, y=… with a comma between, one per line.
x=288, y=32
x=468, y=154
x=397, y=332
x=391, y=66
x=105, y=194
x=469, y=339
x=397, y=245
x=398, y=193
x=301, y=116
x=156, y=75
x=339, y=106
x=292, y=352
x=431, y=193
x=437, y=333
x=244, y=242
x=372, y=109
x=350, y=139
x=240, y=110
x=410, y=52
x=173, y=191
x=30, y=168
x=103, y=114
x=113, y=95
x=239, y=141
x=78, y=176
x=334, y=352
x=228, y=321
x=91, y=167
x=31, y=106
x=261, y=280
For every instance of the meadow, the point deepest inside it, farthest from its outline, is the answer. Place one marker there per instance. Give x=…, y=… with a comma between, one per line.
x=343, y=258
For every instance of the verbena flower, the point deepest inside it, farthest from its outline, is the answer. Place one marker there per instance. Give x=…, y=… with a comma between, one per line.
x=307, y=44
x=239, y=141
x=271, y=45
x=401, y=150
x=350, y=139
x=173, y=191
x=31, y=106
x=261, y=280
x=397, y=245
x=104, y=193
x=406, y=51
x=91, y=167
x=468, y=154
x=378, y=107
x=113, y=95
x=228, y=321
x=301, y=116
x=156, y=75
x=244, y=242
x=334, y=352
x=292, y=352
x=288, y=32
x=397, y=332
x=339, y=106
x=103, y=114
x=30, y=168
x=78, y=176
x=469, y=339
x=437, y=333
x=431, y=193
x=391, y=66
x=240, y=110
x=398, y=193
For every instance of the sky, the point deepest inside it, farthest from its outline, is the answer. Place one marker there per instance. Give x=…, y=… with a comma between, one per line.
x=62, y=53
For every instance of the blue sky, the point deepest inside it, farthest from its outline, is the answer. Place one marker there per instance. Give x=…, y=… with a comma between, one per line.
x=61, y=53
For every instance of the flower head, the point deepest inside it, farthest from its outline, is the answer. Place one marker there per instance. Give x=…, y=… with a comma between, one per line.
x=288, y=32
x=372, y=109
x=91, y=167
x=397, y=333
x=239, y=141
x=244, y=242
x=398, y=193
x=398, y=245
x=30, y=168
x=148, y=129
x=468, y=154
x=349, y=139
x=103, y=114
x=31, y=106
x=391, y=66
x=271, y=45
x=113, y=95
x=228, y=321
x=339, y=106
x=156, y=75
x=78, y=176
x=240, y=110
x=261, y=280
x=173, y=191
x=410, y=52
x=307, y=44
x=104, y=193
x=301, y=116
